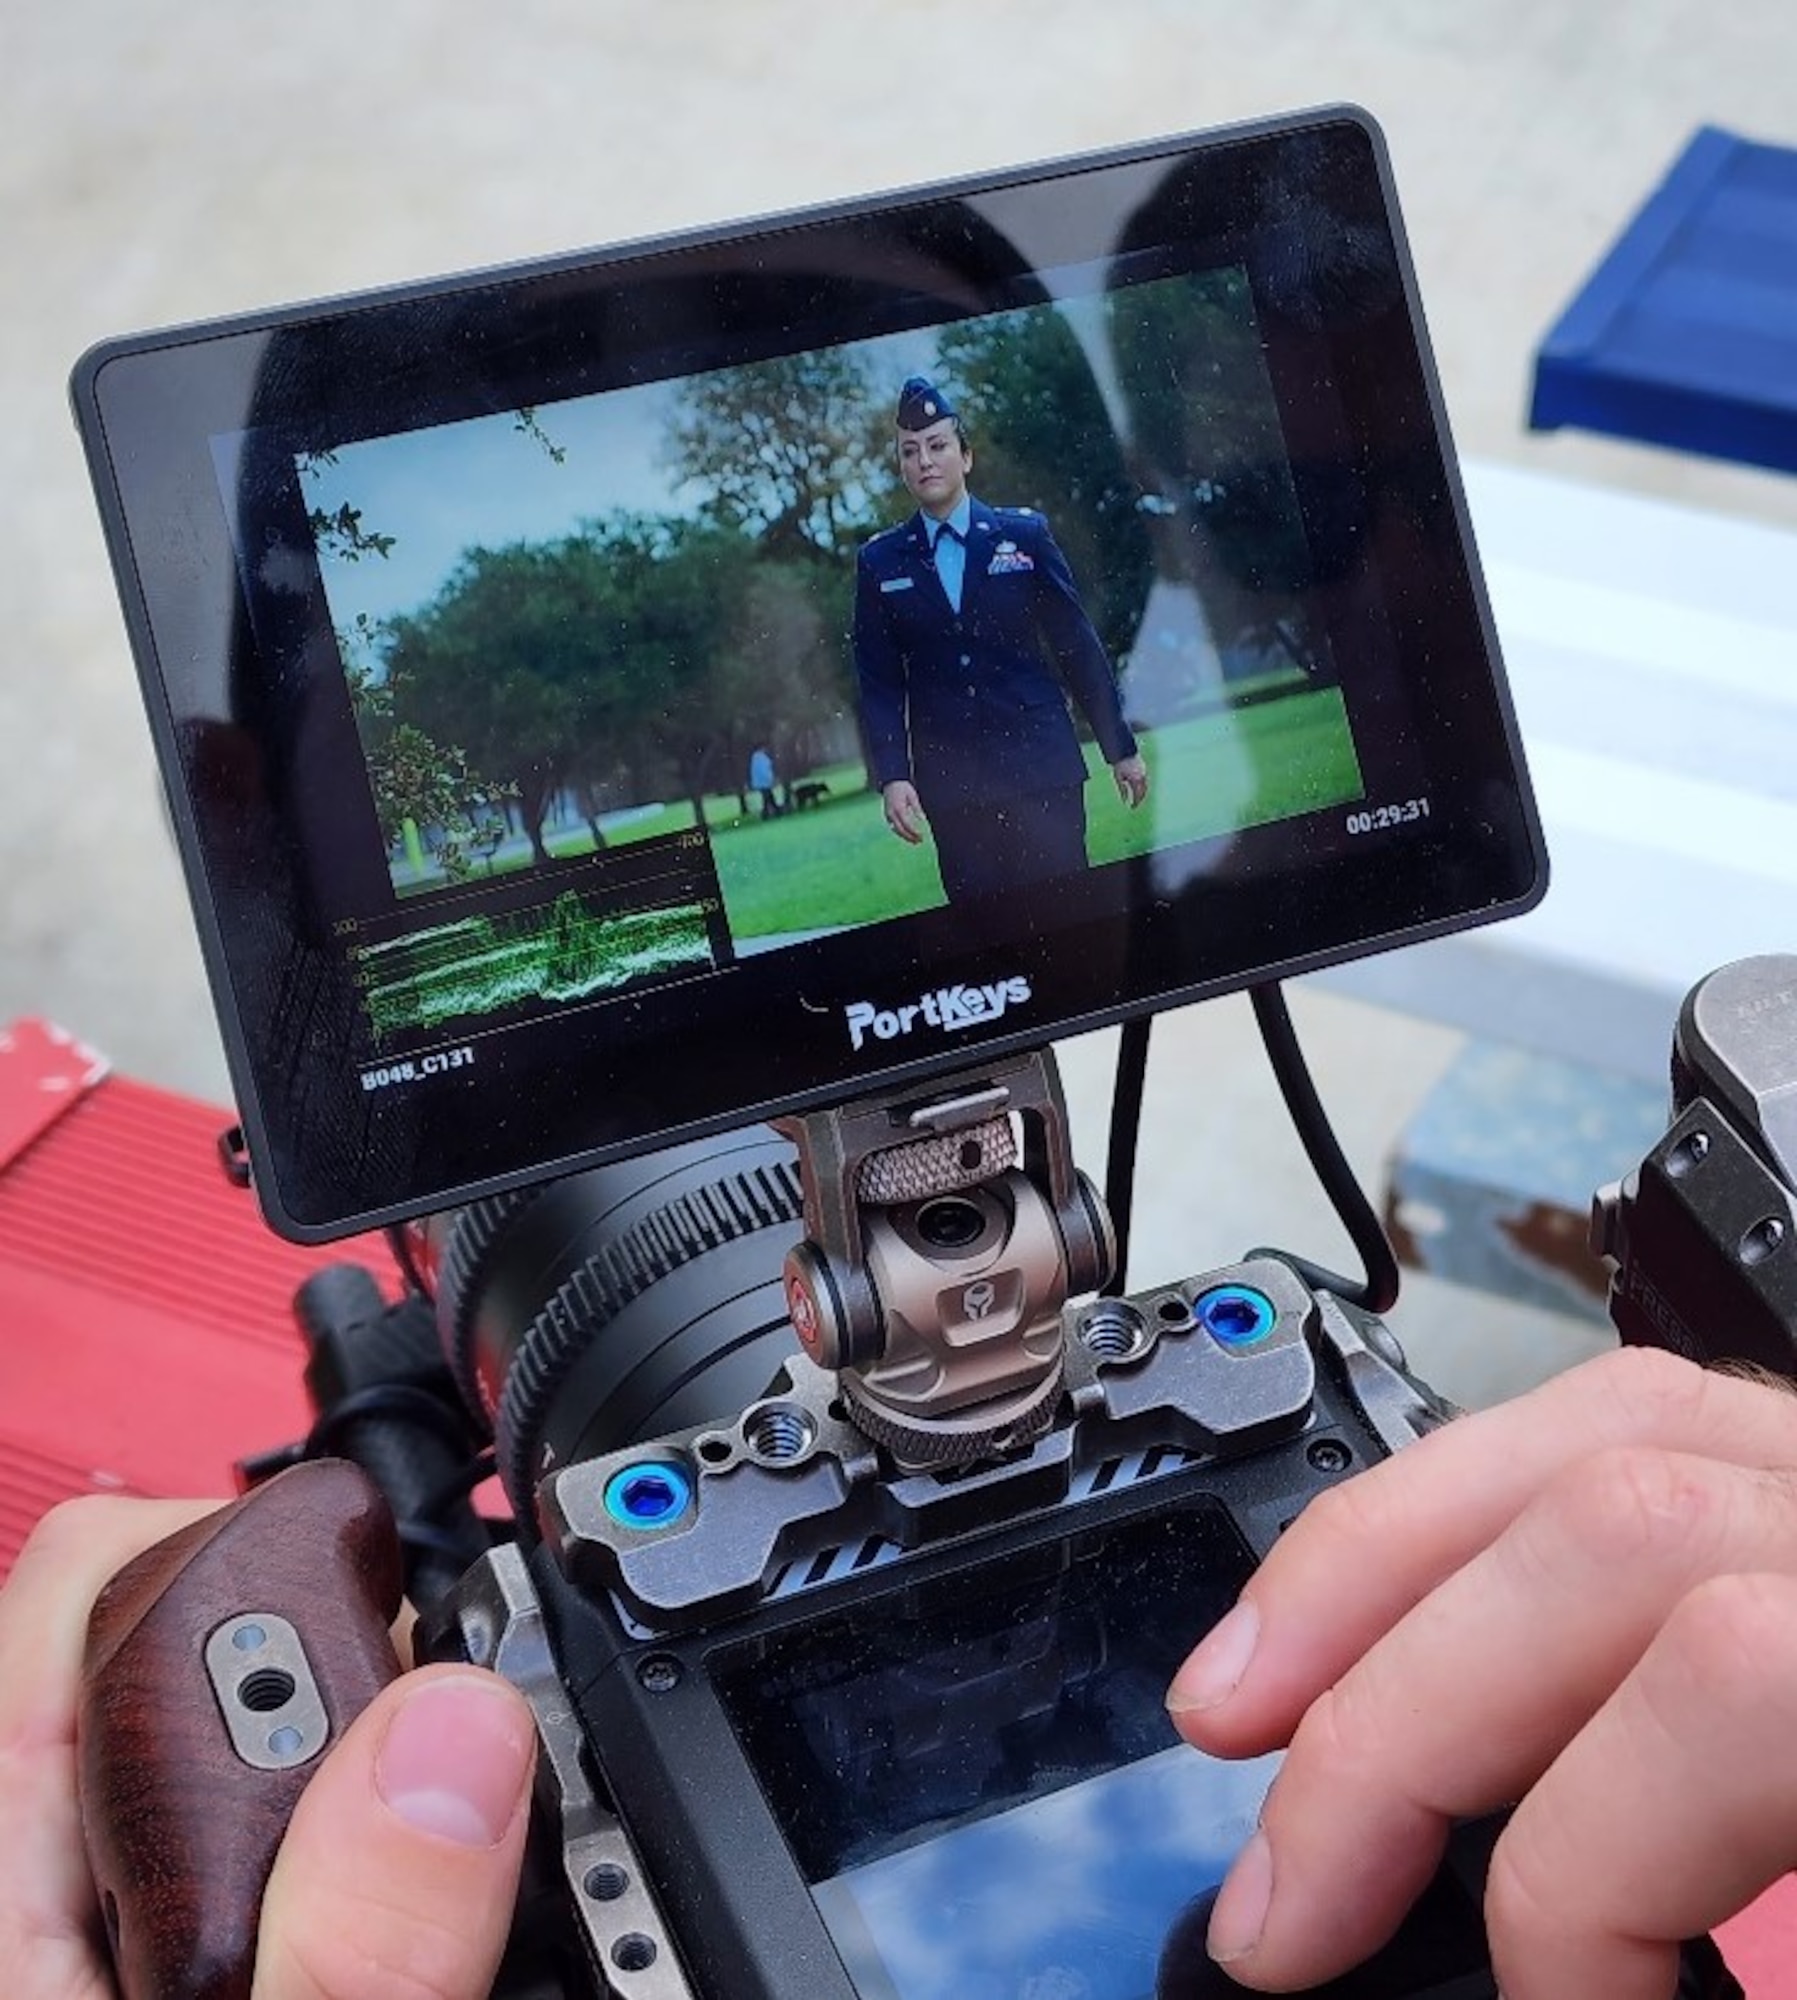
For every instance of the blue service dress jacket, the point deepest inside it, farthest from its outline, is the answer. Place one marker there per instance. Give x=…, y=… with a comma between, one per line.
x=972, y=704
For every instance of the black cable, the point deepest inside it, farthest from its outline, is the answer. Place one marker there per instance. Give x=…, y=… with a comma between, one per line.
x=427, y=1538
x=1120, y=1157
x=400, y=1244
x=476, y=1472
x=395, y=1401
x=1378, y=1290
x=400, y=1433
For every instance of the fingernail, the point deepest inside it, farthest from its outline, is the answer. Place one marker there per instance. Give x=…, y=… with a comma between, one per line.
x=1215, y=1670
x=455, y=1759
x=1240, y=1914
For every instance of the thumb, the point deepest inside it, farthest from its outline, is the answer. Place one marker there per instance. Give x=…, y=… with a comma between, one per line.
x=400, y=1867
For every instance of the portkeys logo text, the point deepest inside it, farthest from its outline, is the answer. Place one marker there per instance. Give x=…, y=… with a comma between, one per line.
x=948, y=1007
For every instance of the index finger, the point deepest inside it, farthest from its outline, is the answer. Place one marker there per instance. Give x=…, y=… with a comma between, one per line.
x=1366, y=1552
x=48, y=1917
x=72, y=1553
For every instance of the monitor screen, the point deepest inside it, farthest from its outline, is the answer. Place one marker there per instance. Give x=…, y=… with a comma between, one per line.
x=617, y=699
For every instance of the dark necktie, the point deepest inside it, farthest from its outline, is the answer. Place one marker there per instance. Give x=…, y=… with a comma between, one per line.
x=949, y=554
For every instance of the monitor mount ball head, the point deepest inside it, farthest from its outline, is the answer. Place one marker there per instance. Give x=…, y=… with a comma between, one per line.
x=938, y=1258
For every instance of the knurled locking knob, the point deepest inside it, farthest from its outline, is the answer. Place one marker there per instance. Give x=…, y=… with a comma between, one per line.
x=832, y=1334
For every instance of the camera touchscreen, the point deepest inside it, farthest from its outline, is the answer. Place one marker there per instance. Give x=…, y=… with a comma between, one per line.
x=988, y=1798
x=609, y=701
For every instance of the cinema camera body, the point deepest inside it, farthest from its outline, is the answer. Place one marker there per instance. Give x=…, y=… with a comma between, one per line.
x=875, y=1668
x=859, y=1520
x=874, y=1671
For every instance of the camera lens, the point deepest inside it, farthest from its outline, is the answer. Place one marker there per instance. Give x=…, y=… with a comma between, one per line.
x=950, y=1223
x=621, y=1304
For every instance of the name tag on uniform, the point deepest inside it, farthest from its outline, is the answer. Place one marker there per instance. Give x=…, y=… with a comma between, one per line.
x=1008, y=559
x=897, y=582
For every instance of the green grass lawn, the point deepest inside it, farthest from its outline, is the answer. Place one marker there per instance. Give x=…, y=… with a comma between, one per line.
x=1226, y=770
x=836, y=864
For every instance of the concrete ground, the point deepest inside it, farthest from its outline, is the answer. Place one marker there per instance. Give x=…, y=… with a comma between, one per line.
x=169, y=164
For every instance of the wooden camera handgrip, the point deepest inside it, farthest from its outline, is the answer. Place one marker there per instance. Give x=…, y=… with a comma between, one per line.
x=220, y=1665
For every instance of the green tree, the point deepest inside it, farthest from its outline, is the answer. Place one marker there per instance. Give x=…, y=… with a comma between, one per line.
x=729, y=647
x=639, y=658
x=340, y=531
x=508, y=660
x=780, y=674
x=419, y=785
x=1043, y=438
x=1209, y=444
x=421, y=788
x=678, y=582
x=795, y=452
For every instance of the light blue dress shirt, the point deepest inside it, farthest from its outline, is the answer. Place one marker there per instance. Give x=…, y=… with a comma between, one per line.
x=950, y=557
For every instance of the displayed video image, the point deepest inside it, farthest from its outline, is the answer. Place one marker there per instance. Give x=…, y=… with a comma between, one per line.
x=704, y=605
x=486, y=968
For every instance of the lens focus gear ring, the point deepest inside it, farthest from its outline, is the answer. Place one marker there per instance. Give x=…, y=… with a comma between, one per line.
x=532, y=1428
x=475, y=1242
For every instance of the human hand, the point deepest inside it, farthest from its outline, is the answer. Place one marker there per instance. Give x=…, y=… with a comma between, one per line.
x=1131, y=774
x=1585, y=1600
x=904, y=811
x=398, y=1871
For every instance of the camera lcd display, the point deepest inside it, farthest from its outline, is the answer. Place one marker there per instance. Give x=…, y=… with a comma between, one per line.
x=988, y=1798
x=1082, y=1889
x=616, y=699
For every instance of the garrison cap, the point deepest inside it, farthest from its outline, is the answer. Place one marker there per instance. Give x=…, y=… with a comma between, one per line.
x=922, y=404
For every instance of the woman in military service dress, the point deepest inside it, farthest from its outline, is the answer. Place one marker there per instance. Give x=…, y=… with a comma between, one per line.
x=969, y=637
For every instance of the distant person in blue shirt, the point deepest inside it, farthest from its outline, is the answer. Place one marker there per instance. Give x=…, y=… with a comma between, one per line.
x=761, y=779
x=969, y=637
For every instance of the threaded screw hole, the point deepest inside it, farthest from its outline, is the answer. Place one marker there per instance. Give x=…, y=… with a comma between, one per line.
x=779, y=1433
x=605, y=1882
x=266, y=1690
x=1113, y=1331
x=633, y=1952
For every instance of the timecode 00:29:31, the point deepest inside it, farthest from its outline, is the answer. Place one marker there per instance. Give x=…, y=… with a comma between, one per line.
x=1375, y=819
